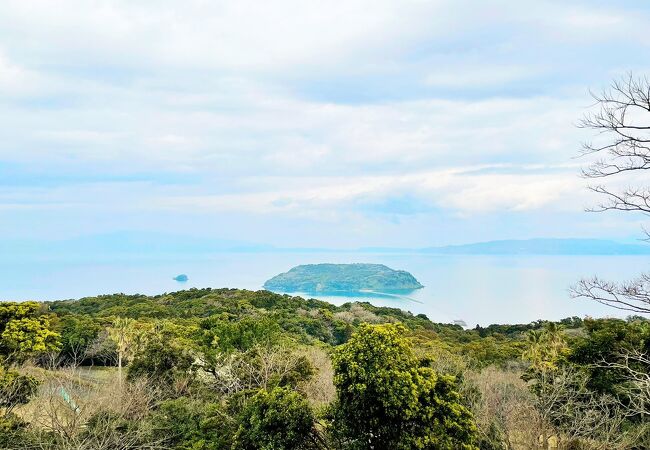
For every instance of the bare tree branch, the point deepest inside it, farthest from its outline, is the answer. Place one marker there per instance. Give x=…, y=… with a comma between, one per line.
x=631, y=296
x=622, y=120
x=635, y=365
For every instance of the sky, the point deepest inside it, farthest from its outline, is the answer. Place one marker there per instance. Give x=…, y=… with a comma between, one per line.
x=314, y=123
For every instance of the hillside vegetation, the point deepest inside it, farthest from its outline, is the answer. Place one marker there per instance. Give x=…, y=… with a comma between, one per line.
x=236, y=369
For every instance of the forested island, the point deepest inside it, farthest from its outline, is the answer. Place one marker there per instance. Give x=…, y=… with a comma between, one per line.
x=213, y=369
x=342, y=278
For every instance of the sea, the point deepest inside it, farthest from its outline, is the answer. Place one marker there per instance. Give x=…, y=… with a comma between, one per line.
x=476, y=289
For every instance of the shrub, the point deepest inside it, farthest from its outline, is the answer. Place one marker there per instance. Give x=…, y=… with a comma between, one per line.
x=274, y=420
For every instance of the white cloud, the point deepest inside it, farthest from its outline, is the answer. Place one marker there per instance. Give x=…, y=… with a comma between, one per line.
x=297, y=109
x=16, y=80
x=240, y=34
x=280, y=134
x=466, y=191
x=518, y=193
x=472, y=75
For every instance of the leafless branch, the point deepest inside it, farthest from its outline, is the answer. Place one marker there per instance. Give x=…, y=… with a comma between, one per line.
x=635, y=365
x=631, y=296
x=622, y=123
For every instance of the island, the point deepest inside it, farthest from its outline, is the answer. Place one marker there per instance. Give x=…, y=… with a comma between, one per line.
x=342, y=277
x=182, y=278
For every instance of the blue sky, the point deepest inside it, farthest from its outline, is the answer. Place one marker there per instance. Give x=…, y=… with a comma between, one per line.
x=319, y=123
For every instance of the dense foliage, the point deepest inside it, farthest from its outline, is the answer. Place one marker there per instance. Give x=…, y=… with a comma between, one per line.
x=275, y=419
x=386, y=399
x=211, y=369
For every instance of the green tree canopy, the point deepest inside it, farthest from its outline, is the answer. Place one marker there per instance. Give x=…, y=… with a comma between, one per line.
x=229, y=333
x=78, y=333
x=279, y=419
x=608, y=340
x=386, y=400
x=24, y=332
x=164, y=359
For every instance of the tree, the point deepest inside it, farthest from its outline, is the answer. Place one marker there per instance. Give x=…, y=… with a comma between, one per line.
x=634, y=367
x=274, y=420
x=387, y=400
x=579, y=417
x=229, y=333
x=78, y=333
x=15, y=389
x=547, y=350
x=249, y=353
x=126, y=336
x=606, y=341
x=503, y=409
x=623, y=149
x=164, y=362
x=24, y=332
x=258, y=367
x=185, y=423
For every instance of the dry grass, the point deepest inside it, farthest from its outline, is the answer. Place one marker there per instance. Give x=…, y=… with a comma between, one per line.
x=320, y=388
x=70, y=399
x=358, y=313
x=505, y=403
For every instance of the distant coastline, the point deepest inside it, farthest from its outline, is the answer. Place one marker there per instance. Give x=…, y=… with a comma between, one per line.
x=137, y=245
x=539, y=246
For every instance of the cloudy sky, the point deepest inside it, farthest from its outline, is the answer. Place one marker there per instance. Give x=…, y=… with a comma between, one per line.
x=307, y=123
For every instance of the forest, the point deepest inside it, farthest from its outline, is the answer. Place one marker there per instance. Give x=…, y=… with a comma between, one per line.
x=208, y=369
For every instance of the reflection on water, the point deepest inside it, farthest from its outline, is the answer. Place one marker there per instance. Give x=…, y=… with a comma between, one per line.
x=476, y=289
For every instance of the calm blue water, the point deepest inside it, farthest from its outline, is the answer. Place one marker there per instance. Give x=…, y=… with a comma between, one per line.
x=476, y=289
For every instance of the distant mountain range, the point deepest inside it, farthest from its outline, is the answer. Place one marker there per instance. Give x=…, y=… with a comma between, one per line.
x=544, y=247
x=142, y=244
x=540, y=246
